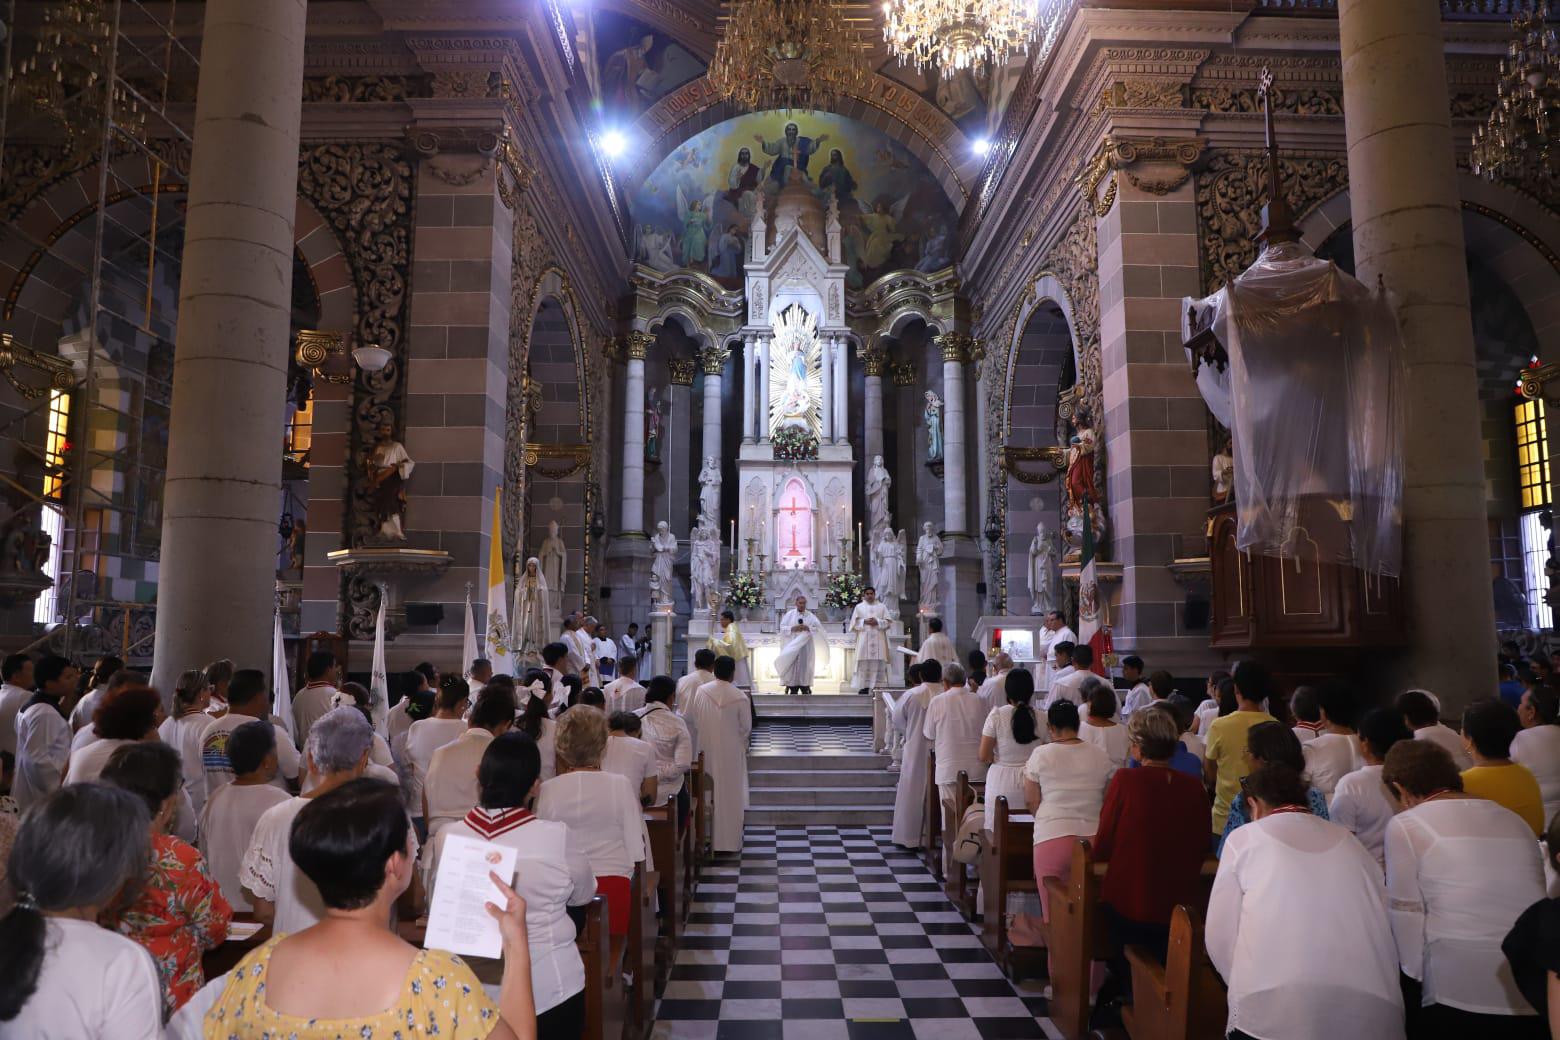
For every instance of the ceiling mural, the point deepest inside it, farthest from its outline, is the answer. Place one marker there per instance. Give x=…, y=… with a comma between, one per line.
x=695, y=208
x=963, y=95
x=635, y=66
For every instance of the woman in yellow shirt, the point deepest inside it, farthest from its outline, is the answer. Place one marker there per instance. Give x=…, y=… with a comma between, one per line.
x=1489, y=726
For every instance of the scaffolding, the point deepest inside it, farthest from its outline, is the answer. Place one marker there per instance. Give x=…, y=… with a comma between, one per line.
x=110, y=84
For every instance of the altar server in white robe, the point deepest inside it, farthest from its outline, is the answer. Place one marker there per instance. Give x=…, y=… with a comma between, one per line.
x=937, y=646
x=722, y=719
x=797, y=661
x=870, y=623
x=624, y=693
x=1053, y=631
x=910, y=720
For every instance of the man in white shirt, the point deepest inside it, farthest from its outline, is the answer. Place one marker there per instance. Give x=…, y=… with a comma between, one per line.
x=450, y=786
x=17, y=672
x=993, y=692
x=1335, y=753
x=954, y=719
x=629, y=757
x=249, y=698
x=1067, y=681
x=1422, y=712
x=630, y=643
x=722, y=719
x=582, y=648
x=283, y=896
x=937, y=646
x=665, y=731
x=1538, y=745
x=228, y=821
x=1360, y=800
x=605, y=653
x=1140, y=694
x=1054, y=632
x=869, y=620
x=1307, y=710
x=477, y=676
x=624, y=693
x=97, y=687
x=556, y=663
x=322, y=674
x=425, y=736
x=688, y=685
x=43, y=733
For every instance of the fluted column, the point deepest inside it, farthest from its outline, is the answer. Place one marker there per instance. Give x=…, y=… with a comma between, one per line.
x=713, y=360
x=873, y=361
x=749, y=370
x=955, y=351
x=763, y=388
x=1408, y=231
x=826, y=402
x=841, y=388
x=217, y=577
x=637, y=346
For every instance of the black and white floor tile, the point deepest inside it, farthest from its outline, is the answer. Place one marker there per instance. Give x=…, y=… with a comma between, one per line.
x=825, y=934
x=811, y=738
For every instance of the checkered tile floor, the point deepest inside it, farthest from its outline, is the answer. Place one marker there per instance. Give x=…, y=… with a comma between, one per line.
x=772, y=737
x=824, y=934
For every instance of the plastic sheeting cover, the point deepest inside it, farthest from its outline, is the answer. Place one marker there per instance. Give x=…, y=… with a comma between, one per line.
x=1313, y=399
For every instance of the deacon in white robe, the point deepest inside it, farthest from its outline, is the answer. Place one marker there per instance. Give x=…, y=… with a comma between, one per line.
x=1054, y=631
x=937, y=646
x=910, y=794
x=688, y=685
x=722, y=719
x=624, y=693
x=797, y=662
x=870, y=623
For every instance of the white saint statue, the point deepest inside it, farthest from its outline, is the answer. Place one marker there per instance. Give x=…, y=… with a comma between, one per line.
x=553, y=555
x=704, y=566
x=709, y=492
x=870, y=623
x=928, y=560
x=878, y=483
x=804, y=644
x=888, y=568
x=1044, y=577
x=534, y=622
x=664, y=544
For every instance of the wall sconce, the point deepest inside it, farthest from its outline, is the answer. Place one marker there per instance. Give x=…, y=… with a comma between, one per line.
x=317, y=349
x=62, y=376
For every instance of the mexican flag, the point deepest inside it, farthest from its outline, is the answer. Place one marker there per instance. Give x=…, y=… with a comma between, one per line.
x=1093, y=612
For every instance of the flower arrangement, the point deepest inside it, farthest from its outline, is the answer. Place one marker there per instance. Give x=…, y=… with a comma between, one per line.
x=844, y=591
x=795, y=443
x=745, y=590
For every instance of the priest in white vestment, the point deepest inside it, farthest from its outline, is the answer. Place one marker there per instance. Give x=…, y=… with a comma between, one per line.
x=1054, y=631
x=722, y=719
x=870, y=623
x=909, y=720
x=797, y=662
x=688, y=685
x=937, y=646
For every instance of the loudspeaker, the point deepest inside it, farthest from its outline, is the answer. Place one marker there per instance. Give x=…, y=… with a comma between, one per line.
x=1195, y=613
x=606, y=592
x=980, y=588
x=424, y=615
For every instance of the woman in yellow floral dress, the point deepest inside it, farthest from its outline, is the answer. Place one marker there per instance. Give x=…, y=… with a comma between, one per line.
x=350, y=976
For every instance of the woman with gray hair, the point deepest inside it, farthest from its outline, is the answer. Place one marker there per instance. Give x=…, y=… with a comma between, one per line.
x=337, y=750
x=79, y=852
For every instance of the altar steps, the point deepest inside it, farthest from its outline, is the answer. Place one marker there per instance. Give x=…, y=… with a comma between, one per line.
x=819, y=706
x=824, y=788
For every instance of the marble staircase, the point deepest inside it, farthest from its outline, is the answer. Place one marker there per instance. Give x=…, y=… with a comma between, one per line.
x=793, y=786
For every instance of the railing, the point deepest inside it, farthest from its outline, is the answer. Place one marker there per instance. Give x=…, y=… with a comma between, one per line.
x=125, y=630
x=1469, y=9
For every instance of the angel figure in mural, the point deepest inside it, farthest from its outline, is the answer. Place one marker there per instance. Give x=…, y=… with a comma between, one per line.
x=888, y=567
x=726, y=258
x=709, y=492
x=928, y=560
x=653, y=427
x=932, y=415
x=664, y=546
x=535, y=620
x=655, y=248
x=704, y=566
x=882, y=226
x=695, y=217
x=554, y=557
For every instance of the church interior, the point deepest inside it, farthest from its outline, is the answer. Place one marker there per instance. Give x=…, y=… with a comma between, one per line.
x=1181, y=334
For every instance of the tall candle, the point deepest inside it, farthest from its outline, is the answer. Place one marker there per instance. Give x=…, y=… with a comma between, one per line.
x=733, y=539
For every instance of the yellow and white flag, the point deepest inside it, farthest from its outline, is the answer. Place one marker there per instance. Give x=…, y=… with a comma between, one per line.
x=498, y=641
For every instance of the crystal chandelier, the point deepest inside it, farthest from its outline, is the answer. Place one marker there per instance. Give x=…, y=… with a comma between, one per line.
x=788, y=54
x=959, y=34
x=1520, y=141
x=63, y=79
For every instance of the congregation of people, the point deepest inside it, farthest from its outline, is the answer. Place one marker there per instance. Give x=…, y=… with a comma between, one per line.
x=137, y=833
x=1376, y=872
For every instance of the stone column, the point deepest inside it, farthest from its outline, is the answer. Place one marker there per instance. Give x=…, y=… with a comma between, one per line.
x=749, y=367
x=873, y=362
x=1408, y=231
x=826, y=402
x=763, y=388
x=955, y=352
x=841, y=388
x=713, y=360
x=217, y=577
x=637, y=347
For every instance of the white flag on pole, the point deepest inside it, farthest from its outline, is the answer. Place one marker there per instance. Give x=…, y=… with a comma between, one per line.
x=281, y=681
x=468, y=640
x=379, y=681
x=497, y=620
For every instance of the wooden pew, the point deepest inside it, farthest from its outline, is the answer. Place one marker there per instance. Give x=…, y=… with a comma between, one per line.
x=698, y=809
x=960, y=886
x=665, y=849
x=1181, y=999
x=1075, y=936
x=638, y=964
x=931, y=820
x=1008, y=867
x=606, y=1008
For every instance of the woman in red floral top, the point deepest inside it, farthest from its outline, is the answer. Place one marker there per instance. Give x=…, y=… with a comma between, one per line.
x=179, y=912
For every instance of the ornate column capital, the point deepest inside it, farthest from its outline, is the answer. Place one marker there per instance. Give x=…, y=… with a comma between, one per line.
x=637, y=345
x=679, y=371
x=903, y=372
x=714, y=360
x=955, y=346
x=1157, y=165
x=873, y=360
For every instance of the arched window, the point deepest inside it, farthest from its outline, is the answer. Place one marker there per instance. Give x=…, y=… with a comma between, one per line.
x=51, y=518
x=1533, y=490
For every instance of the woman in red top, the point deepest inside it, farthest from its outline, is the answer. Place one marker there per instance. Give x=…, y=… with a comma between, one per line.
x=1153, y=837
x=179, y=913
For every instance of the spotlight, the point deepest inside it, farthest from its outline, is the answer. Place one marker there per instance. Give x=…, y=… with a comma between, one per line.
x=982, y=145
x=613, y=144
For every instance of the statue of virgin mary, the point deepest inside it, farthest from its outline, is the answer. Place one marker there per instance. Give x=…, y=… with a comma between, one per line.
x=533, y=622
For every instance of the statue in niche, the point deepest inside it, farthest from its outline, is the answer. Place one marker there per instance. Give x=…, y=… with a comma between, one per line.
x=1222, y=470
x=704, y=566
x=664, y=546
x=932, y=416
x=536, y=618
x=1082, y=509
x=709, y=492
x=888, y=567
x=26, y=545
x=928, y=560
x=878, y=485
x=1044, y=572
x=388, y=468
x=653, y=419
x=553, y=556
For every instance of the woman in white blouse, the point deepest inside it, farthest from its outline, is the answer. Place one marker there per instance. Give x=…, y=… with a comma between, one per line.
x=60, y=973
x=1460, y=871
x=1100, y=726
x=601, y=809
x=1064, y=786
x=186, y=728
x=1538, y=745
x=1006, y=739
x=1297, y=924
x=1360, y=800
x=551, y=875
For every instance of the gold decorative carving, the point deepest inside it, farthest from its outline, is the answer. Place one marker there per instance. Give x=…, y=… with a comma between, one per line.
x=903, y=372
x=556, y=461
x=873, y=360
x=1141, y=93
x=680, y=370
x=1157, y=165
x=457, y=82
x=1306, y=101
x=1229, y=204
x=346, y=89
x=637, y=345
x=955, y=346
x=714, y=360
x=1013, y=458
x=61, y=375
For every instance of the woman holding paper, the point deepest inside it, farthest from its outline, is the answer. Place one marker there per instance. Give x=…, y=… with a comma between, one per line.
x=354, y=843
